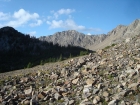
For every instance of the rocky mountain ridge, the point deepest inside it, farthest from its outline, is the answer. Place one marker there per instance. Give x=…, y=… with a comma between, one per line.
x=119, y=34
x=74, y=38
x=94, y=42
x=108, y=77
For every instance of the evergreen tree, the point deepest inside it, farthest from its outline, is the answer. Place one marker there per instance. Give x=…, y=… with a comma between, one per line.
x=41, y=62
x=29, y=65
x=70, y=56
x=60, y=58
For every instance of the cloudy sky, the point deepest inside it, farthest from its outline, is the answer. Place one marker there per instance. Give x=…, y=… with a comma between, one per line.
x=45, y=17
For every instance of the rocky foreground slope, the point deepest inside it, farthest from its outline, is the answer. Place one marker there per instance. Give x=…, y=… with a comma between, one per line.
x=108, y=77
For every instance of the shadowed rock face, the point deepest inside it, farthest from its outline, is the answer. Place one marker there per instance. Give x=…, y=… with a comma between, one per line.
x=17, y=50
x=94, y=42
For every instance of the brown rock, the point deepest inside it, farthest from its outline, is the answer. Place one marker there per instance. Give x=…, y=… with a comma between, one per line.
x=41, y=95
x=96, y=99
x=105, y=94
x=26, y=102
x=71, y=102
x=85, y=72
x=89, y=81
x=28, y=91
x=57, y=96
x=75, y=81
x=24, y=79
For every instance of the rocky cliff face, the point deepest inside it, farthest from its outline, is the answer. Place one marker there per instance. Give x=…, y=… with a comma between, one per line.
x=126, y=31
x=119, y=34
x=74, y=38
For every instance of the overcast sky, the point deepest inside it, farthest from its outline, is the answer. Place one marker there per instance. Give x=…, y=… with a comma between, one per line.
x=46, y=17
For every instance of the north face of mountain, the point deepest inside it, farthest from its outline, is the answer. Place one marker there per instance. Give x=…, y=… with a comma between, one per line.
x=119, y=34
x=74, y=38
x=18, y=51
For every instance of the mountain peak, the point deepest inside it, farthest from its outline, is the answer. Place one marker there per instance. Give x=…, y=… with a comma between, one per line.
x=135, y=23
x=73, y=31
x=137, y=20
x=7, y=28
x=70, y=31
x=74, y=38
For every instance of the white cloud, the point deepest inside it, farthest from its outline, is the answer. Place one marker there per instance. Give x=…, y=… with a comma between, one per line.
x=70, y=25
x=56, y=15
x=38, y=23
x=55, y=24
x=4, y=16
x=14, y=23
x=21, y=18
x=67, y=24
x=49, y=17
x=33, y=33
x=88, y=33
x=65, y=11
x=48, y=22
x=62, y=12
x=24, y=14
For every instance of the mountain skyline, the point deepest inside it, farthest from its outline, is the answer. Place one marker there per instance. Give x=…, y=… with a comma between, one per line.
x=48, y=17
x=94, y=42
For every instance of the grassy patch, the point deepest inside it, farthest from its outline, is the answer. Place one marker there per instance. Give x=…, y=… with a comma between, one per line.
x=107, y=47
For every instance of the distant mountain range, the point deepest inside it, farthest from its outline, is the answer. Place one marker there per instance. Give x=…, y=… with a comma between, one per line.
x=94, y=42
x=74, y=38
